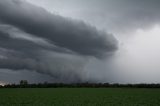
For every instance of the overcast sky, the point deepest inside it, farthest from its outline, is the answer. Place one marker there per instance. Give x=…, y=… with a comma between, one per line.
x=115, y=41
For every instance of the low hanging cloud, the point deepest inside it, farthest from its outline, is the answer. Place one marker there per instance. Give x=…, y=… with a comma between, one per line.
x=32, y=38
x=73, y=35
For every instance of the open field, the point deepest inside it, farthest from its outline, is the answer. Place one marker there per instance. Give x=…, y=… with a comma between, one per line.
x=79, y=97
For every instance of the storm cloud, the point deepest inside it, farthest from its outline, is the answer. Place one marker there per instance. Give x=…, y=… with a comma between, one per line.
x=34, y=39
x=73, y=35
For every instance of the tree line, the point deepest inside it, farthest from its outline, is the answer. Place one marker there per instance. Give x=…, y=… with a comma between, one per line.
x=25, y=84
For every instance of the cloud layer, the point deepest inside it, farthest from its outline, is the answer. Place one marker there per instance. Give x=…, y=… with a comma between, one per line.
x=137, y=60
x=32, y=38
x=73, y=35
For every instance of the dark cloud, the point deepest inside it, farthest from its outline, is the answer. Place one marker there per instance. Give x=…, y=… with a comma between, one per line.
x=33, y=39
x=20, y=54
x=36, y=40
x=137, y=60
x=73, y=35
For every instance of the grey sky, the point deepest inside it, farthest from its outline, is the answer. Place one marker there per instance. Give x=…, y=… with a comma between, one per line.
x=80, y=40
x=107, y=14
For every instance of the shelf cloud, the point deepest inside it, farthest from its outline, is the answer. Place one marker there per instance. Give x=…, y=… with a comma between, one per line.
x=34, y=39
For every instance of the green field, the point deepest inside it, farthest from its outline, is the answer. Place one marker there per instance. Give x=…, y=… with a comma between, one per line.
x=79, y=97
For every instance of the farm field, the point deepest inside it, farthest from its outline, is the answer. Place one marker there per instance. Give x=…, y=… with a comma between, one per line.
x=79, y=97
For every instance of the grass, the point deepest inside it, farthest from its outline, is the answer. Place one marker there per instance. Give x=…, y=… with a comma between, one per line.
x=79, y=97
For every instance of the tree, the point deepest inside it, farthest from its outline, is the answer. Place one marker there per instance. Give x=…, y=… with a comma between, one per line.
x=23, y=83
